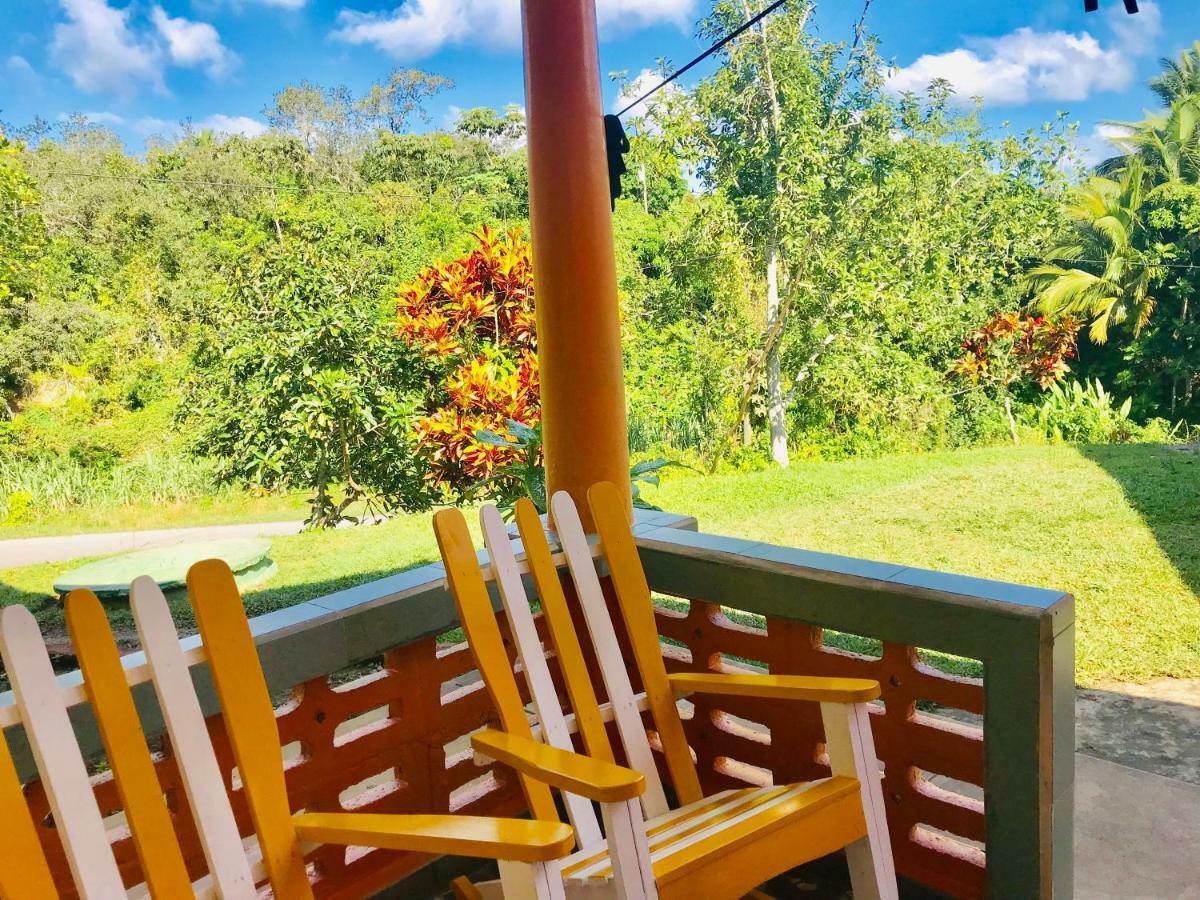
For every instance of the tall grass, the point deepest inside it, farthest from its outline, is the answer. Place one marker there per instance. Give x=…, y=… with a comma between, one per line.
x=60, y=483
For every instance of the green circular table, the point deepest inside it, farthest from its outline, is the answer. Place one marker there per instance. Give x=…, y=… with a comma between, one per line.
x=109, y=578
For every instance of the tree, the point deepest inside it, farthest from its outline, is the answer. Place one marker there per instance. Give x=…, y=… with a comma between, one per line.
x=878, y=230
x=389, y=104
x=313, y=113
x=502, y=133
x=298, y=382
x=1179, y=78
x=1111, y=267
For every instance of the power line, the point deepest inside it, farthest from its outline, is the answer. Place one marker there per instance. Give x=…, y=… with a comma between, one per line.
x=705, y=55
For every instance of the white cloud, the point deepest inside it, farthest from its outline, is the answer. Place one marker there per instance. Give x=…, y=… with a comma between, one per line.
x=105, y=50
x=1027, y=65
x=193, y=44
x=100, y=117
x=218, y=123
x=19, y=65
x=101, y=53
x=223, y=124
x=645, y=80
x=1098, y=146
x=419, y=28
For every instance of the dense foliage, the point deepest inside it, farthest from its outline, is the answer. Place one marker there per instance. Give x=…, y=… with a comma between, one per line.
x=1130, y=256
x=472, y=322
x=809, y=266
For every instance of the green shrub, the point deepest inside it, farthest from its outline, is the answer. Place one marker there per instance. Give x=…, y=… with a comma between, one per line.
x=1082, y=413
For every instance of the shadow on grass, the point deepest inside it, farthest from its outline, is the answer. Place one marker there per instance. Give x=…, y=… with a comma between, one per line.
x=1162, y=483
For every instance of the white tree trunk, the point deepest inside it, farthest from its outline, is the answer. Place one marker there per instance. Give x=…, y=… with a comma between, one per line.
x=776, y=408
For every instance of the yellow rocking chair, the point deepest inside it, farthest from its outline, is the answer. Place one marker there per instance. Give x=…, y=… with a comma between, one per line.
x=233, y=872
x=717, y=846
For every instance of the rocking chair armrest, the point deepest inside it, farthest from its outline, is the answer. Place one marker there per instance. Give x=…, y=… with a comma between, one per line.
x=597, y=780
x=515, y=840
x=777, y=687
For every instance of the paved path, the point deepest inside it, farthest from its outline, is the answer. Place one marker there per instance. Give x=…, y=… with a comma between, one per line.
x=27, y=551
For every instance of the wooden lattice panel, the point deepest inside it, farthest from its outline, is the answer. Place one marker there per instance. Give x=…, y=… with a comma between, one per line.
x=379, y=744
x=923, y=819
x=395, y=761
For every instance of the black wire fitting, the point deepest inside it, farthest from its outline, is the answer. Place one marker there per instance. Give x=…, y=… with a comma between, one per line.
x=616, y=145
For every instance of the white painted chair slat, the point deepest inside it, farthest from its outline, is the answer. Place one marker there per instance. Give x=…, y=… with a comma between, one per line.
x=532, y=658
x=629, y=852
x=223, y=850
x=56, y=752
x=608, y=651
x=850, y=745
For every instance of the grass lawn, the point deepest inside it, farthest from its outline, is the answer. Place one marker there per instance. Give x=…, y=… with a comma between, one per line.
x=221, y=509
x=1116, y=526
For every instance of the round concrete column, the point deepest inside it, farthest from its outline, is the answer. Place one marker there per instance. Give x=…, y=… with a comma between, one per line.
x=579, y=335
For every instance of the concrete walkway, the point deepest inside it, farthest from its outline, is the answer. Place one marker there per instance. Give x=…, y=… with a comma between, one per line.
x=28, y=551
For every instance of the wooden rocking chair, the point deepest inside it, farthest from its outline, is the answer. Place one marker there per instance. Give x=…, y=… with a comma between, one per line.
x=233, y=870
x=717, y=846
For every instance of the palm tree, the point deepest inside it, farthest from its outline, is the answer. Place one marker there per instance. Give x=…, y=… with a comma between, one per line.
x=1178, y=79
x=1103, y=270
x=1167, y=143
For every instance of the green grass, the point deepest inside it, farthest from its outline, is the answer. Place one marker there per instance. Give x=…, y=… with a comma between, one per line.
x=219, y=509
x=1116, y=526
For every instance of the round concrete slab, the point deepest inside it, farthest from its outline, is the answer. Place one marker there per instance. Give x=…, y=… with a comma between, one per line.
x=168, y=566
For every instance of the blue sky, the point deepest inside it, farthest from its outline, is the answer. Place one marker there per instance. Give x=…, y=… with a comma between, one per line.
x=145, y=65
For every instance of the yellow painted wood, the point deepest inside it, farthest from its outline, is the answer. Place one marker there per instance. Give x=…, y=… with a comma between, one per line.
x=562, y=632
x=229, y=871
x=600, y=781
x=487, y=647
x=665, y=830
x=24, y=874
x=745, y=855
x=464, y=890
x=249, y=720
x=777, y=687
x=520, y=840
x=637, y=610
x=128, y=755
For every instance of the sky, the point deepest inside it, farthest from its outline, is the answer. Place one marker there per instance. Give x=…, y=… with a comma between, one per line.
x=144, y=66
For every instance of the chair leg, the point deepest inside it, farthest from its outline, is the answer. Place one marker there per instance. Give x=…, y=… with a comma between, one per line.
x=532, y=881
x=851, y=749
x=628, y=850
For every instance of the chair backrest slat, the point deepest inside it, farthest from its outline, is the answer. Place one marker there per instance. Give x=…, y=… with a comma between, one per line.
x=637, y=611
x=487, y=646
x=533, y=662
x=608, y=651
x=56, y=752
x=249, y=721
x=24, y=873
x=128, y=755
x=562, y=632
x=190, y=744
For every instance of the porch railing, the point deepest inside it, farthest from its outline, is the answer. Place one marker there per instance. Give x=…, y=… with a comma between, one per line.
x=391, y=740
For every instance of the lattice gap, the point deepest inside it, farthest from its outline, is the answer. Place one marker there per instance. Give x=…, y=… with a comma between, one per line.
x=846, y=643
